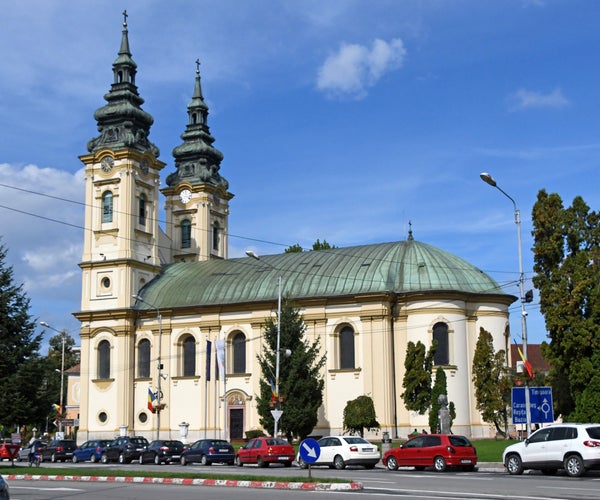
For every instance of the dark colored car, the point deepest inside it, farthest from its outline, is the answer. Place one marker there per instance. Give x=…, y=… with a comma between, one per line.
x=37, y=445
x=207, y=451
x=439, y=451
x=59, y=450
x=264, y=451
x=124, y=449
x=4, y=489
x=162, y=451
x=90, y=450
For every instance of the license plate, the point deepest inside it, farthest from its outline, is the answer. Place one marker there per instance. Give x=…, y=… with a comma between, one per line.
x=175, y=457
x=368, y=450
x=465, y=461
x=223, y=451
x=284, y=458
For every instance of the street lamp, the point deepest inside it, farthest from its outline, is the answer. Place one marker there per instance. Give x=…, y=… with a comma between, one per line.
x=276, y=416
x=63, y=335
x=488, y=179
x=160, y=366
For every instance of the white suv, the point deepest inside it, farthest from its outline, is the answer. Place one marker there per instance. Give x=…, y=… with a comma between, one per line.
x=573, y=447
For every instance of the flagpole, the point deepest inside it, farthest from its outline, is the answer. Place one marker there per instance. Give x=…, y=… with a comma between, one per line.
x=215, y=390
x=206, y=380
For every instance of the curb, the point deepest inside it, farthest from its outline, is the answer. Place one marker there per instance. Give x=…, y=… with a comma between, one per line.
x=278, y=485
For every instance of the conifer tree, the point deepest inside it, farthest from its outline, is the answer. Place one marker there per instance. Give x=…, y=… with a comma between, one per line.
x=417, y=377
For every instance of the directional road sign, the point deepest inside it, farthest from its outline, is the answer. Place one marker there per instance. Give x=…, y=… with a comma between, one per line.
x=540, y=405
x=310, y=451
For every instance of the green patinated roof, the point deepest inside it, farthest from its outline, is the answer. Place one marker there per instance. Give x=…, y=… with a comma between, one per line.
x=400, y=267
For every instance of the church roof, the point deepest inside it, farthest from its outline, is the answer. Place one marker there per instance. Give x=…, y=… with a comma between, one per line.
x=399, y=267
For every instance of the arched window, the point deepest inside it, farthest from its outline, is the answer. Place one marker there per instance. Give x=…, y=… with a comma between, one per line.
x=189, y=356
x=440, y=336
x=104, y=359
x=107, y=207
x=347, y=348
x=239, y=353
x=142, y=210
x=144, y=358
x=215, y=236
x=186, y=234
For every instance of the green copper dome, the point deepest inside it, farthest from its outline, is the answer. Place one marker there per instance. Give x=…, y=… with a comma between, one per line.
x=401, y=267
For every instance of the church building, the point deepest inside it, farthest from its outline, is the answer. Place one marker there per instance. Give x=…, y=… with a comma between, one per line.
x=155, y=300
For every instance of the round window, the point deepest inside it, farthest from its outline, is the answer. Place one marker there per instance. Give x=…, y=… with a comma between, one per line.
x=102, y=416
x=143, y=417
x=106, y=282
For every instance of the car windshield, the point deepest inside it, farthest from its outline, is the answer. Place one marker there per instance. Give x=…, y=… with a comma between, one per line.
x=217, y=442
x=459, y=441
x=274, y=441
x=593, y=432
x=139, y=441
x=355, y=440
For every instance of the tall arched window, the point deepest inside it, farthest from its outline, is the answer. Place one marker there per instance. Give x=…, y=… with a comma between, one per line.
x=142, y=210
x=347, y=360
x=104, y=359
x=144, y=358
x=239, y=353
x=189, y=356
x=186, y=234
x=107, y=206
x=440, y=336
x=215, y=236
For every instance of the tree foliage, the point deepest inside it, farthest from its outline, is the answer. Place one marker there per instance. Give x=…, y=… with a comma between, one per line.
x=567, y=265
x=300, y=380
x=492, y=382
x=317, y=245
x=439, y=387
x=417, y=377
x=360, y=414
x=22, y=383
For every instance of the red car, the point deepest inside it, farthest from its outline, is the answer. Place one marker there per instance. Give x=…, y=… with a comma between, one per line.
x=439, y=451
x=264, y=451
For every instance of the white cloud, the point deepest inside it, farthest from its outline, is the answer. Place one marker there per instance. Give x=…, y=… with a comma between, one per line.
x=355, y=68
x=527, y=99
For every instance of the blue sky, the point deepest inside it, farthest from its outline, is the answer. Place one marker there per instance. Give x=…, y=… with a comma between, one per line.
x=340, y=120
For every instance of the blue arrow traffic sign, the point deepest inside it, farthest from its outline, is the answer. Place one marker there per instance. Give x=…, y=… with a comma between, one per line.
x=310, y=450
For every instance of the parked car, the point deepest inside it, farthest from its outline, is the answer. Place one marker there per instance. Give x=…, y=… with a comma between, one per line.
x=572, y=447
x=8, y=450
x=339, y=451
x=207, y=451
x=439, y=451
x=161, y=451
x=90, y=450
x=23, y=454
x=4, y=489
x=264, y=451
x=59, y=450
x=124, y=449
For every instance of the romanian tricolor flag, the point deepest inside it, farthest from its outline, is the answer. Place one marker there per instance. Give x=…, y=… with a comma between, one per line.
x=527, y=364
x=56, y=408
x=151, y=400
x=273, y=391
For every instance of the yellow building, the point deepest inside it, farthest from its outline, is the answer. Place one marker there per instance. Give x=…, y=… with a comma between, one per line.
x=364, y=303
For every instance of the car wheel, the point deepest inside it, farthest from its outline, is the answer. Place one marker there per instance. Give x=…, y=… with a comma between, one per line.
x=514, y=465
x=183, y=460
x=260, y=462
x=75, y=459
x=53, y=458
x=104, y=458
x=93, y=458
x=439, y=464
x=391, y=463
x=574, y=466
x=157, y=460
x=338, y=462
x=302, y=464
x=205, y=461
x=238, y=461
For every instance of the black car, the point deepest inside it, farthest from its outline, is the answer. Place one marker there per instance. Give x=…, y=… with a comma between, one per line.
x=162, y=451
x=124, y=449
x=59, y=450
x=207, y=451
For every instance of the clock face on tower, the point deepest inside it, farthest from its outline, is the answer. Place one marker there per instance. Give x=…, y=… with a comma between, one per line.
x=107, y=164
x=185, y=196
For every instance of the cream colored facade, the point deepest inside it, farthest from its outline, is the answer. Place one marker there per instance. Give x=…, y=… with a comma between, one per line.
x=125, y=250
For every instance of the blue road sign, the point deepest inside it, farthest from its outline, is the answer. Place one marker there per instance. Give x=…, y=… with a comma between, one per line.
x=540, y=405
x=310, y=451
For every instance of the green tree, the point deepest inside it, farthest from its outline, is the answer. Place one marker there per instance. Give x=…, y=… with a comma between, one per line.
x=360, y=414
x=300, y=381
x=439, y=387
x=317, y=245
x=294, y=249
x=21, y=386
x=492, y=382
x=567, y=265
x=417, y=377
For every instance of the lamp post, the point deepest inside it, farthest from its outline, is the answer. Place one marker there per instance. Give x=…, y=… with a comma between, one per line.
x=488, y=179
x=63, y=334
x=276, y=417
x=160, y=366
